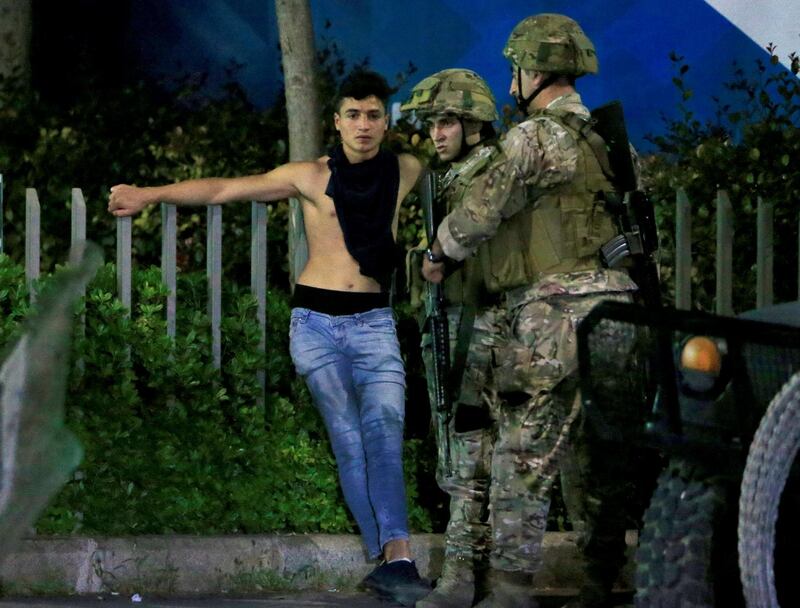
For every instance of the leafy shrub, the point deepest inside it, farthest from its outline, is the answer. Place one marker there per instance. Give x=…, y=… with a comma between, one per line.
x=174, y=445
x=750, y=150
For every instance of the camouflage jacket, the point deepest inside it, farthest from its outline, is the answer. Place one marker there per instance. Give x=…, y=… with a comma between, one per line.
x=465, y=284
x=539, y=154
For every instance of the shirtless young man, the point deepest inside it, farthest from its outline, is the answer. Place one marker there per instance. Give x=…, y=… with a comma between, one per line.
x=342, y=335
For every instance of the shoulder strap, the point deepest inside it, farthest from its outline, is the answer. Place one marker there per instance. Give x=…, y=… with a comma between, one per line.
x=585, y=129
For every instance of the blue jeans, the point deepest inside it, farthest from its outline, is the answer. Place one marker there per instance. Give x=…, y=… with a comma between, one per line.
x=353, y=368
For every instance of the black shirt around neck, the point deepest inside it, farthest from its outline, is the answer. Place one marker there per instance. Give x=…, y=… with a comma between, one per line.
x=365, y=197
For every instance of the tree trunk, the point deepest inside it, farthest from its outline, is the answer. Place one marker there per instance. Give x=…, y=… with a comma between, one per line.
x=302, y=109
x=15, y=38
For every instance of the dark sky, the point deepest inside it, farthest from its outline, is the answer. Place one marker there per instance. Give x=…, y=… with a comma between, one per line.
x=72, y=38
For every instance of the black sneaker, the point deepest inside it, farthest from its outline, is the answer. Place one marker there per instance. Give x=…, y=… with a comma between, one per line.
x=368, y=581
x=397, y=581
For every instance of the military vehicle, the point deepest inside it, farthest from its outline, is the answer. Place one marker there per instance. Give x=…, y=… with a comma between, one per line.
x=719, y=398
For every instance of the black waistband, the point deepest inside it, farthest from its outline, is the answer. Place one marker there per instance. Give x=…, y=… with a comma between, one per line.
x=332, y=302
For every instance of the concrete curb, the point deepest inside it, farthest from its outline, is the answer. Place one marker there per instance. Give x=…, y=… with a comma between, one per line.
x=238, y=565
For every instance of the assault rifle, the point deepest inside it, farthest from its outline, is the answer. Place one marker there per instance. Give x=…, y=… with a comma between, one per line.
x=436, y=321
x=638, y=238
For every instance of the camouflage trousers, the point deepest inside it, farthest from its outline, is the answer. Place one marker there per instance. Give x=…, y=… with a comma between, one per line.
x=534, y=401
x=470, y=439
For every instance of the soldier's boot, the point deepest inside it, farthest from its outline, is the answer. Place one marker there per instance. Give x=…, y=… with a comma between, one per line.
x=509, y=590
x=455, y=587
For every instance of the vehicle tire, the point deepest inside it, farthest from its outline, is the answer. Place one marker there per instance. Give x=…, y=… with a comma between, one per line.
x=682, y=543
x=768, y=466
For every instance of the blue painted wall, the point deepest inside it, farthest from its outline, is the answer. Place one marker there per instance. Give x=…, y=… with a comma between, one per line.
x=633, y=38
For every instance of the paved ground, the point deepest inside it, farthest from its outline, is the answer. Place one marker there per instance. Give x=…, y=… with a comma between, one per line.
x=312, y=600
x=275, y=600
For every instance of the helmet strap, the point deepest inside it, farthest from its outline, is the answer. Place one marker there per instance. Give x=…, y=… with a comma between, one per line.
x=472, y=132
x=464, y=147
x=466, y=134
x=524, y=102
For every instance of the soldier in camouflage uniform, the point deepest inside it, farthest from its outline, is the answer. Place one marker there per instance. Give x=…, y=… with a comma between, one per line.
x=535, y=220
x=459, y=108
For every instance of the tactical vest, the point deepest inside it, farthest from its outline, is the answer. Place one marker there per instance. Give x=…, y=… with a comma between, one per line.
x=466, y=283
x=558, y=230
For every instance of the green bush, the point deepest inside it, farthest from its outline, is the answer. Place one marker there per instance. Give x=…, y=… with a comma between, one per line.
x=174, y=445
x=750, y=150
x=134, y=134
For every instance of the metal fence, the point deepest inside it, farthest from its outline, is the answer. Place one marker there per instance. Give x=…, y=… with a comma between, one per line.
x=124, y=266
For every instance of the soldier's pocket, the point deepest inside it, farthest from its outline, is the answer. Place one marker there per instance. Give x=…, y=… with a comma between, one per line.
x=471, y=454
x=521, y=373
x=511, y=365
x=586, y=229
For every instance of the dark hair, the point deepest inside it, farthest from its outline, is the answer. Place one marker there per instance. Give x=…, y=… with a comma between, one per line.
x=361, y=84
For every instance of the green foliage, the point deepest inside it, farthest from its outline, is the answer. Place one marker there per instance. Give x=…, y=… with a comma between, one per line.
x=13, y=298
x=135, y=134
x=749, y=151
x=174, y=445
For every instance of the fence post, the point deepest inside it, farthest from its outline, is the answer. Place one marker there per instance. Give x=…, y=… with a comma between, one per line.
x=683, y=251
x=78, y=243
x=124, y=261
x=2, y=213
x=214, y=276
x=169, y=261
x=764, y=253
x=258, y=281
x=78, y=220
x=33, y=219
x=724, y=303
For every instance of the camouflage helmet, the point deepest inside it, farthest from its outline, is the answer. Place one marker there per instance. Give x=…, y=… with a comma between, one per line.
x=456, y=91
x=551, y=43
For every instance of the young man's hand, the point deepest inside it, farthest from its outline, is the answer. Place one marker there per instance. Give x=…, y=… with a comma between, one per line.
x=125, y=200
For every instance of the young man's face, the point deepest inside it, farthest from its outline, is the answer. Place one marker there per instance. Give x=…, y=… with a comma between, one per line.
x=362, y=124
x=447, y=134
